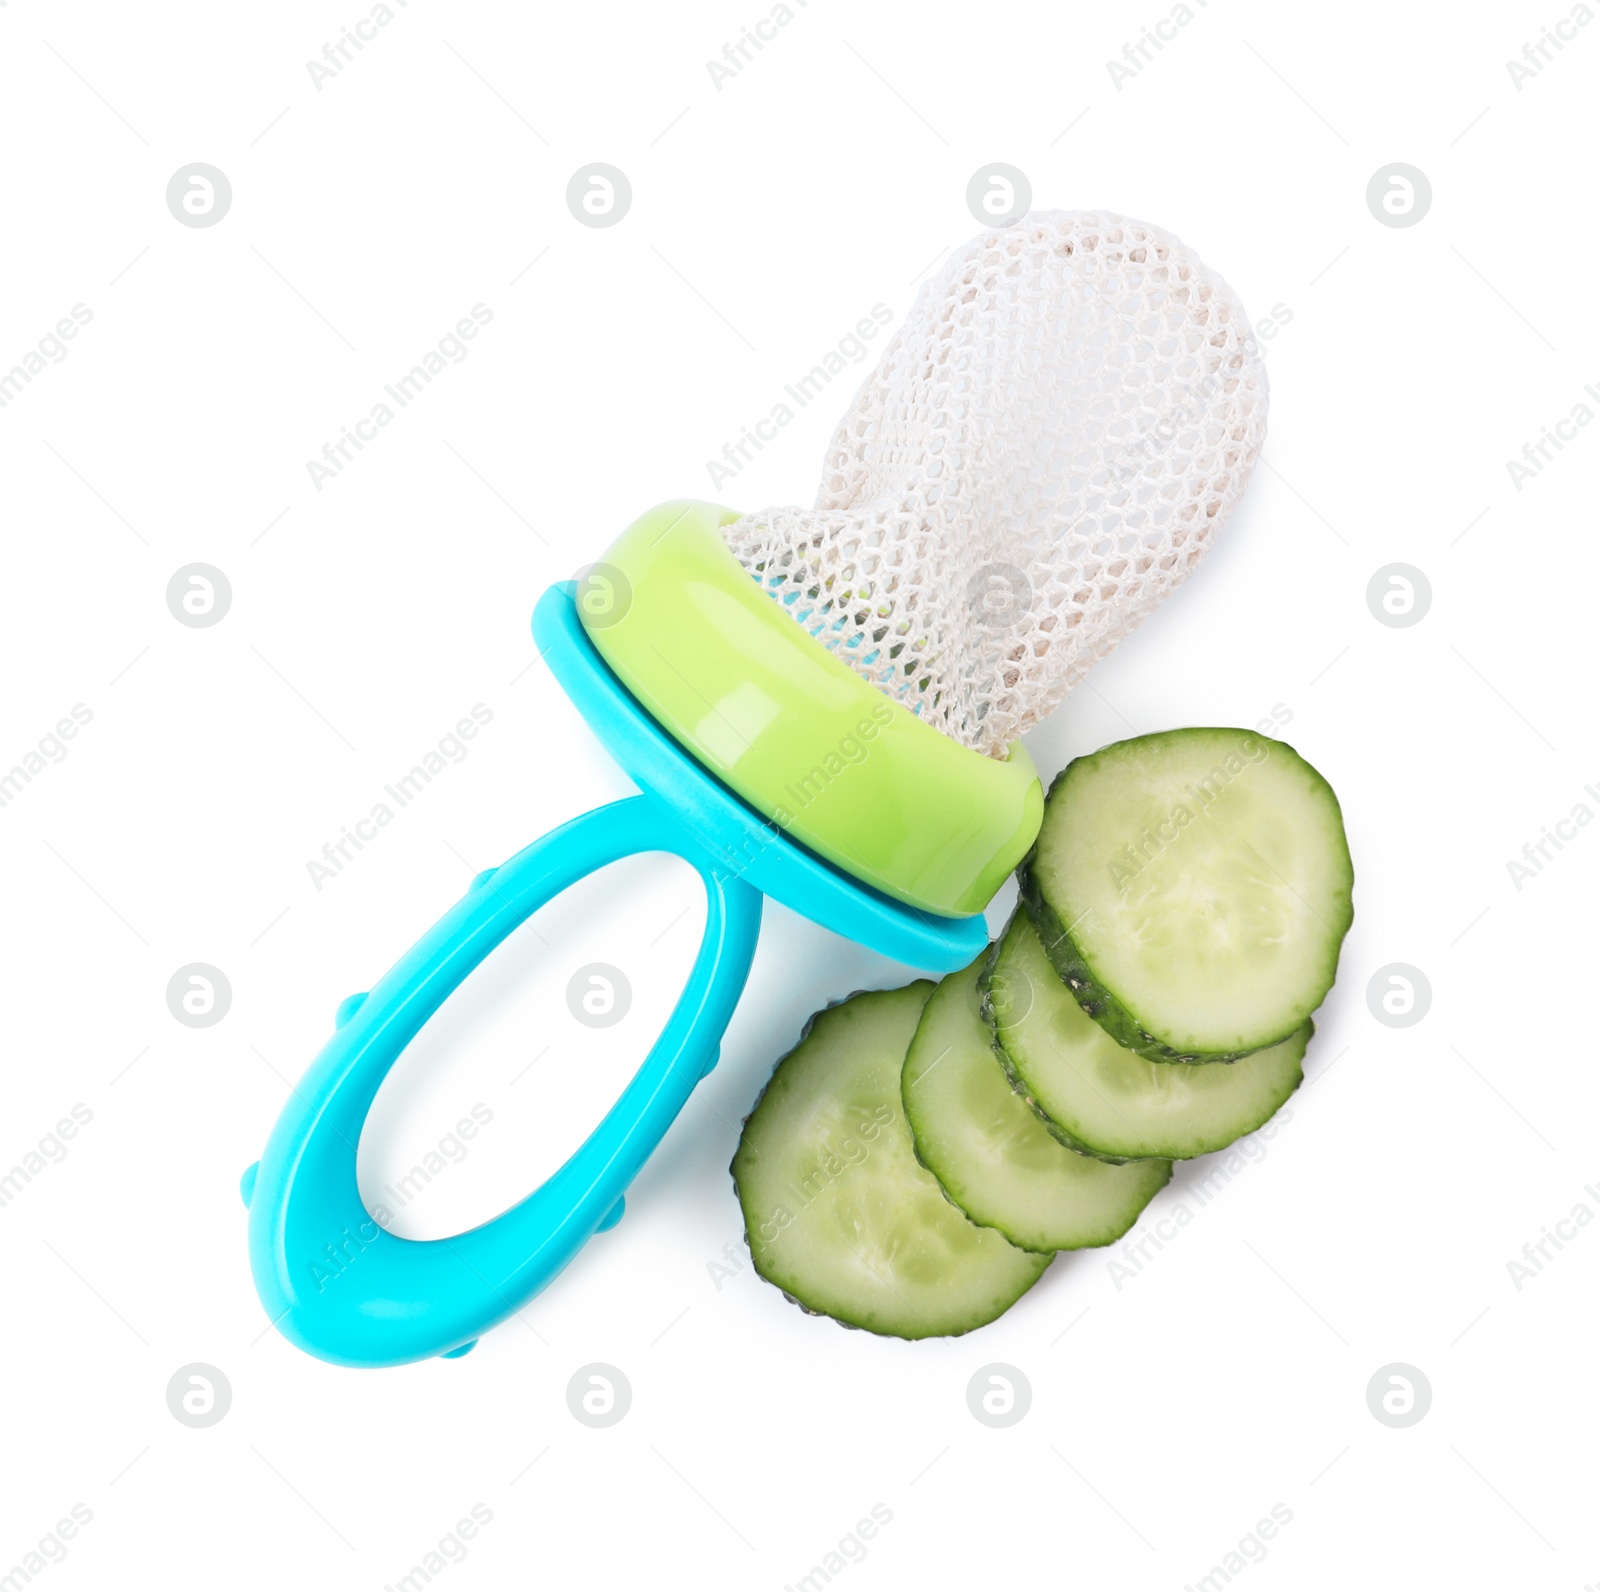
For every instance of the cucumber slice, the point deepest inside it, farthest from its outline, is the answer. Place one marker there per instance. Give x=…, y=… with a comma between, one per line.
x=1193, y=888
x=838, y=1211
x=1108, y=1101
x=994, y=1157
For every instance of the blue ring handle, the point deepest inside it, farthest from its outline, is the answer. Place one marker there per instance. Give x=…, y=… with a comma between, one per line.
x=331, y=1278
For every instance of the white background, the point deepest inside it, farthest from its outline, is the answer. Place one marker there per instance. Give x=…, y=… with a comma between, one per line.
x=367, y=217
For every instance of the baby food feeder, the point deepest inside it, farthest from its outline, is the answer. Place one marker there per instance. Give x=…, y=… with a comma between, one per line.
x=821, y=706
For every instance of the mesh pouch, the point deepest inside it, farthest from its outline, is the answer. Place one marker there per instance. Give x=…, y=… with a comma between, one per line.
x=1047, y=447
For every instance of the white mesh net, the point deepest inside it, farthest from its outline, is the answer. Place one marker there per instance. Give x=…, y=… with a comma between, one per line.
x=1046, y=448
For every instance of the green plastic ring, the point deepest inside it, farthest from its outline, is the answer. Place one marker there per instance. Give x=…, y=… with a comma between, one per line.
x=814, y=748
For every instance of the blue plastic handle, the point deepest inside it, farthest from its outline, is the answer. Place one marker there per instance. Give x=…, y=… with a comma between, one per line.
x=332, y=1279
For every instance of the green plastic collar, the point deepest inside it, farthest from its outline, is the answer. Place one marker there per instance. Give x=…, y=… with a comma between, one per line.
x=808, y=743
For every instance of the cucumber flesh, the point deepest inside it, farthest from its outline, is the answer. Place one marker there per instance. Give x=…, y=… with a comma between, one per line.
x=838, y=1211
x=993, y=1156
x=1106, y=1100
x=1193, y=889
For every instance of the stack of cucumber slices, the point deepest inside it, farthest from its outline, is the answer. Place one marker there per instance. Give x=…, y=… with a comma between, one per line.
x=916, y=1161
